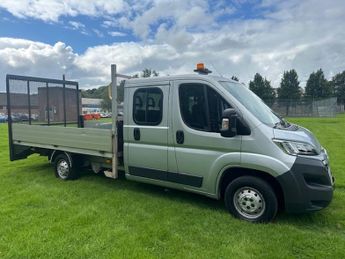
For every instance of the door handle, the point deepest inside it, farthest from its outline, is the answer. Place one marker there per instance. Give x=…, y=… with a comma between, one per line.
x=179, y=137
x=136, y=133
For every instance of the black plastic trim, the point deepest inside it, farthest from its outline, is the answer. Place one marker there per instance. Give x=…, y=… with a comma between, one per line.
x=301, y=194
x=186, y=179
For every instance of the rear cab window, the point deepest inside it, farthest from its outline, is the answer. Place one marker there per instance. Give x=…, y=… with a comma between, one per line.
x=148, y=106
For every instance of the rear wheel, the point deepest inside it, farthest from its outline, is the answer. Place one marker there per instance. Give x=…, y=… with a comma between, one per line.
x=252, y=199
x=64, y=168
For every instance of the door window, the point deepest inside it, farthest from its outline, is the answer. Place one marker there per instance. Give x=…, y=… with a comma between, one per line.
x=201, y=107
x=148, y=106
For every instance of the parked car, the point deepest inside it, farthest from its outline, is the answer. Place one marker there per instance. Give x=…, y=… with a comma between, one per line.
x=3, y=118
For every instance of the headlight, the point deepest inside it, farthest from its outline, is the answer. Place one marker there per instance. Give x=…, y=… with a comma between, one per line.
x=295, y=148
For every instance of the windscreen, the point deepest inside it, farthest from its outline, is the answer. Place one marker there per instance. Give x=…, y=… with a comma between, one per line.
x=251, y=101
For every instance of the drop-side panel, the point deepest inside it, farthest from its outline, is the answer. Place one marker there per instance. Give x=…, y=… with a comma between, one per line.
x=79, y=140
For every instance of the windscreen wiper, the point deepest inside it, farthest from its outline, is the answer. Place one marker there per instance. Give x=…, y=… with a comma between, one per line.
x=281, y=122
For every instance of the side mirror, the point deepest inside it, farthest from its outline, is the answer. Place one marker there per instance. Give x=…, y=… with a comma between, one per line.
x=229, y=123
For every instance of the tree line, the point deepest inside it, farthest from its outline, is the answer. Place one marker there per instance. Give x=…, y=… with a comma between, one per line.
x=317, y=87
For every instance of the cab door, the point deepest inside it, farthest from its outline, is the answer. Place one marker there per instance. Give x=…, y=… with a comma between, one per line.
x=146, y=131
x=199, y=148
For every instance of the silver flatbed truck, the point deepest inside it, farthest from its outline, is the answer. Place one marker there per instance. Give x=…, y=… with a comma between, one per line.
x=199, y=133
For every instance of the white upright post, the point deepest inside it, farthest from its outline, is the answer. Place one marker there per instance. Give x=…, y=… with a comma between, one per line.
x=114, y=119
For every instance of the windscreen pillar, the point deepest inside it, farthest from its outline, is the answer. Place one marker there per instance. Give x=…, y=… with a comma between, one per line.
x=114, y=173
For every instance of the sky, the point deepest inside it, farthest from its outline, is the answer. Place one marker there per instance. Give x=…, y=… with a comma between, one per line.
x=81, y=38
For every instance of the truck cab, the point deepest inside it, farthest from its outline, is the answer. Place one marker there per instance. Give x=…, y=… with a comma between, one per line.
x=213, y=136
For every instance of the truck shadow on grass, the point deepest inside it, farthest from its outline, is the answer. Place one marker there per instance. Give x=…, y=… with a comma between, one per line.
x=153, y=190
x=306, y=220
x=105, y=185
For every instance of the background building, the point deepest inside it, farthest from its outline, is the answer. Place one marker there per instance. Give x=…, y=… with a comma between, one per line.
x=91, y=105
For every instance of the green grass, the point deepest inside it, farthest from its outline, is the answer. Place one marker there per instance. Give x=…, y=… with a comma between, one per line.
x=41, y=216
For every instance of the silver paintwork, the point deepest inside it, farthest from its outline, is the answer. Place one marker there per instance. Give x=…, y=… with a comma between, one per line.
x=203, y=154
x=259, y=152
x=151, y=151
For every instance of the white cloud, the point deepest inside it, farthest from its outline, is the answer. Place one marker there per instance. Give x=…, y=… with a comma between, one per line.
x=51, y=10
x=117, y=34
x=24, y=57
x=98, y=33
x=108, y=24
x=179, y=39
x=195, y=17
x=130, y=57
x=182, y=15
x=303, y=35
x=76, y=25
x=19, y=56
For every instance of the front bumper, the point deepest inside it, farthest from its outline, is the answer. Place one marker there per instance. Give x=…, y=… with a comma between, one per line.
x=308, y=186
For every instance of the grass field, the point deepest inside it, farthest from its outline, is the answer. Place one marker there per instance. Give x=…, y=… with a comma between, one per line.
x=41, y=216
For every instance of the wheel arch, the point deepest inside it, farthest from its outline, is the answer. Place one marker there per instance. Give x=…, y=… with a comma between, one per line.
x=55, y=153
x=232, y=173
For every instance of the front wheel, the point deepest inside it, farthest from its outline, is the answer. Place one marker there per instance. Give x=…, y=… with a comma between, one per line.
x=252, y=199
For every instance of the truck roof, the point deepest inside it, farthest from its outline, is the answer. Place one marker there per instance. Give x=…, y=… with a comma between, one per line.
x=135, y=81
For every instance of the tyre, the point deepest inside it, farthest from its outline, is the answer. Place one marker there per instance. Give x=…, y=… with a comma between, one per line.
x=64, y=168
x=251, y=199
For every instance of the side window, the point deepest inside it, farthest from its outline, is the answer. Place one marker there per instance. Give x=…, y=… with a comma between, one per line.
x=148, y=106
x=201, y=107
x=216, y=106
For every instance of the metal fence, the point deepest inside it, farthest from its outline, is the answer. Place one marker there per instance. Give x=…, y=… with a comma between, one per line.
x=43, y=101
x=305, y=107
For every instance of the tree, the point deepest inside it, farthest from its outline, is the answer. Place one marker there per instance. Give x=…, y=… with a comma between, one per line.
x=338, y=83
x=93, y=93
x=262, y=88
x=106, y=102
x=235, y=78
x=148, y=72
x=289, y=86
x=318, y=86
x=289, y=89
